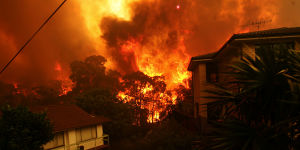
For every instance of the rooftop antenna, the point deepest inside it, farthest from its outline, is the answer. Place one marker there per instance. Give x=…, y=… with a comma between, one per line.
x=257, y=24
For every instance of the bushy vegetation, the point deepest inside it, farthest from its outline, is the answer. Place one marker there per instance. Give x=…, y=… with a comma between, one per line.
x=261, y=104
x=22, y=129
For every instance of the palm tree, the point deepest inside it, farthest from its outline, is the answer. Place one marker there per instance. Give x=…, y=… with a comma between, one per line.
x=263, y=112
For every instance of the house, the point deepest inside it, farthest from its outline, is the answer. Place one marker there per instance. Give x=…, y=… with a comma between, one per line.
x=209, y=68
x=74, y=128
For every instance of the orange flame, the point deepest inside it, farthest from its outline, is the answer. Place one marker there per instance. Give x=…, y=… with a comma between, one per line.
x=173, y=68
x=153, y=60
x=152, y=118
x=66, y=83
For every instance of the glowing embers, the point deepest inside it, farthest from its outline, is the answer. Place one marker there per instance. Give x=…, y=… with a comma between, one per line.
x=65, y=90
x=147, y=93
x=125, y=98
x=65, y=82
x=57, y=67
x=18, y=90
x=154, y=117
x=21, y=90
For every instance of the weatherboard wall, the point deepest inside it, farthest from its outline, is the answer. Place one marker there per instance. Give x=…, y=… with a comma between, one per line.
x=71, y=143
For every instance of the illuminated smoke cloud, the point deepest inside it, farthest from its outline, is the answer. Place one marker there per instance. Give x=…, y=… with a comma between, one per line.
x=162, y=35
x=157, y=28
x=151, y=21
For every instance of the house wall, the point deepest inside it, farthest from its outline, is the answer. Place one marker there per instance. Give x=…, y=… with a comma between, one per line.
x=57, y=141
x=297, y=45
x=232, y=53
x=94, y=143
x=99, y=135
x=71, y=143
x=199, y=77
x=71, y=135
x=88, y=144
x=200, y=85
x=248, y=49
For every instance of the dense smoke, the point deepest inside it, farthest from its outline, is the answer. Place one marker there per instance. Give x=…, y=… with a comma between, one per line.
x=171, y=29
x=155, y=26
x=63, y=40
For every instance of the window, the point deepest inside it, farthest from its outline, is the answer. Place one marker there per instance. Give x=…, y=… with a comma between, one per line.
x=212, y=72
x=86, y=133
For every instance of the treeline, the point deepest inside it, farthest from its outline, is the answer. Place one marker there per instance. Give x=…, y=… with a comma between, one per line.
x=96, y=91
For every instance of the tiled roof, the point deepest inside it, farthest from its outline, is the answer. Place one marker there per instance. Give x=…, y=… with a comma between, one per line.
x=68, y=116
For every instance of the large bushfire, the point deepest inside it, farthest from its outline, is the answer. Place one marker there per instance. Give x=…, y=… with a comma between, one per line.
x=156, y=37
x=171, y=66
x=152, y=46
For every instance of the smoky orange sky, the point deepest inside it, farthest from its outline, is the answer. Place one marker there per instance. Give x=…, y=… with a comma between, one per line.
x=157, y=37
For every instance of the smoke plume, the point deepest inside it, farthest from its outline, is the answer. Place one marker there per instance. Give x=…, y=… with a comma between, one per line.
x=155, y=36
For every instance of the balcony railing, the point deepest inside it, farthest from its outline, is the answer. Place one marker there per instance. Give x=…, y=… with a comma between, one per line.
x=105, y=139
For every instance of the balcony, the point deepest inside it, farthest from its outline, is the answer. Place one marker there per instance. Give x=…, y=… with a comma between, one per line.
x=96, y=143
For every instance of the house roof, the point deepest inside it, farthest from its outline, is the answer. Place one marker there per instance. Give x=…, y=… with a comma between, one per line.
x=201, y=58
x=271, y=32
x=68, y=116
x=292, y=31
x=205, y=56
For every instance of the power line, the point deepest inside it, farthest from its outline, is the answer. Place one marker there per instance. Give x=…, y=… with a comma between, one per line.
x=34, y=34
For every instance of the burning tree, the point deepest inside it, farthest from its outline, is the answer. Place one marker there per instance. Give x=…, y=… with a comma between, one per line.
x=7, y=93
x=146, y=92
x=184, y=100
x=149, y=95
x=91, y=73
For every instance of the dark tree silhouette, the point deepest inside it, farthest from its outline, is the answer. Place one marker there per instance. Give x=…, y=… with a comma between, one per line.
x=103, y=102
x=22, y=129
x=91, y=73
x=264, y=110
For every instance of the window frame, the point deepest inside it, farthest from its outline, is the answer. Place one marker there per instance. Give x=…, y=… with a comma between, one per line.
x=212, y=69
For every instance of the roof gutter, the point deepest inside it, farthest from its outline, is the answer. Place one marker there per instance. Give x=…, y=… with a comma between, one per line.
x=268, y=37
x=203, y=60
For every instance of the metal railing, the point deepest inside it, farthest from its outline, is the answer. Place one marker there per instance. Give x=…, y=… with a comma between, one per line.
x=105, y=139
